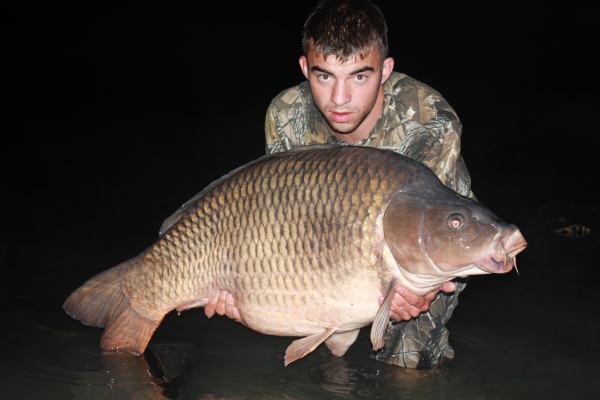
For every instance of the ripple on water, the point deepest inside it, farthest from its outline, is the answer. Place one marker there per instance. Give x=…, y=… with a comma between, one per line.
x=492, y=359
x=258, y=372
x=353, y=377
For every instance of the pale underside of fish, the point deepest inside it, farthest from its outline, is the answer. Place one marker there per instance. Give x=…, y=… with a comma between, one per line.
x=306, y=242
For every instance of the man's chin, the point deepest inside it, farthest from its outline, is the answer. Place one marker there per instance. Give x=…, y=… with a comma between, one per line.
x=344, y=128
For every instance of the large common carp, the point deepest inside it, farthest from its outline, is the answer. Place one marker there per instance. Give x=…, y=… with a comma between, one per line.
x=306, y=241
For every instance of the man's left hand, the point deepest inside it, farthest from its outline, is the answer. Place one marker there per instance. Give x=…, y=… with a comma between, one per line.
x=407, y=305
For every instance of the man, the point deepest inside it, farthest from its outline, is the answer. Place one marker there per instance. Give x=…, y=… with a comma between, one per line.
x=353, y=97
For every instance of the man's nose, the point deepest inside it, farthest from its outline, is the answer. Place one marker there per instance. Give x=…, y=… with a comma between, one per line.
x=341, y=94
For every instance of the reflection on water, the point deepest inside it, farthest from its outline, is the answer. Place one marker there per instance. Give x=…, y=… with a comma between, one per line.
x=335, y=376
x=122, y=376
x=51, y=363
x=258, y=371
x=514, y=337
x=501, y=361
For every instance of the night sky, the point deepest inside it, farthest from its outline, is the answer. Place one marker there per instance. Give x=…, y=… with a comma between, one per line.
x=113, y=116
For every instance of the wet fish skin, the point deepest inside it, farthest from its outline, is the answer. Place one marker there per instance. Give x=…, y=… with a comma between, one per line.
x=298, y=239
x=482, y=243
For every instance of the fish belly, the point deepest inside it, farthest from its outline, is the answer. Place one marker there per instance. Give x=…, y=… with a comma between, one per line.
x=347, y=306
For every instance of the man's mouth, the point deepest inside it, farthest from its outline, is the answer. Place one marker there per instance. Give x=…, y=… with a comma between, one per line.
x=340, y=116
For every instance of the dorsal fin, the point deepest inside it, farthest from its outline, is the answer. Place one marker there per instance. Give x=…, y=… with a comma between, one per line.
x=324, y=146
x=173, y=219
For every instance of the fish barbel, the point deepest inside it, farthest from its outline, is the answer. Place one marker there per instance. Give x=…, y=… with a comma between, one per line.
x=306, y=241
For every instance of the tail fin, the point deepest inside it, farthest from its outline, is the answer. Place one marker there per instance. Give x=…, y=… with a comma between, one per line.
x=101, y=302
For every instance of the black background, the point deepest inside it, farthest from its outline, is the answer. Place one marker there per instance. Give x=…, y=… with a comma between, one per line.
x=114, y=115
x=182, y=87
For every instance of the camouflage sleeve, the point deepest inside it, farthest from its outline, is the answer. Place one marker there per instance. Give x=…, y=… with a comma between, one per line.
x=437, y=145
x=433, y=137
x=275, y=141
x=448, y=164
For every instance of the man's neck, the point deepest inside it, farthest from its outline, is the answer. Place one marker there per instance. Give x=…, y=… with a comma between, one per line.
x=363, y=130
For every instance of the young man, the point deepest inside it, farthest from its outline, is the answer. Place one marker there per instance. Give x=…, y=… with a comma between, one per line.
x=353, y=97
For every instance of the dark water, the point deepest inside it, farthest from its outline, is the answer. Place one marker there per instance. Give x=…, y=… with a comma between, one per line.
x=116, y=116
x=531, y=335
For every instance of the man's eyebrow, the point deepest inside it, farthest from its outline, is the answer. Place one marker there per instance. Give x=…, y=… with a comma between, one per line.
x=358, y=71
x=315, y=68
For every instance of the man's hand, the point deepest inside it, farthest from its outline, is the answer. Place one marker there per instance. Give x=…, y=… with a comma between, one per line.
x=406, y=305
x=223, y=305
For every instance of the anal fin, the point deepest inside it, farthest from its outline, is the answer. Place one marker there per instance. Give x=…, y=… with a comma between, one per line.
x=301, y=347
x=382, y=318
x=339, y=343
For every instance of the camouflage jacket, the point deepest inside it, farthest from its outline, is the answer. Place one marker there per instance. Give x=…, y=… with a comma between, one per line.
x=415, y=121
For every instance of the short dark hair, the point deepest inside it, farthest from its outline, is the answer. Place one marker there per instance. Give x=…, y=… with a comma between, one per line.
x=345, y=28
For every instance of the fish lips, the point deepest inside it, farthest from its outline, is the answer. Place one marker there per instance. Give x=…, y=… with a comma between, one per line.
x=449, y=235
x=501, y=257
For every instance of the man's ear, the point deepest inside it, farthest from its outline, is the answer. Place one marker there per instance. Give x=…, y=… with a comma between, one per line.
x=387, y=69
x=304, y=66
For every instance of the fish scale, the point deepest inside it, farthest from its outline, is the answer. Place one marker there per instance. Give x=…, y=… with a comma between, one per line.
x=288, y=245
x=298, y=239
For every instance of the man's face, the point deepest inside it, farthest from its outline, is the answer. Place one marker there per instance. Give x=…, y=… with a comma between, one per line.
x=348, y=94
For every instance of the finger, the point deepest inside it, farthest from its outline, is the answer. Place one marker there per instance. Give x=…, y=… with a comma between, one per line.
x=397, y=308
x=448, y=287
x=409, y=310
x=400, y=306
x=413, y=309
x=209, y=309
x=415, y=312
x=229, y=306
x=221, y=302
x=427, y=299
x=400, y=315
x=411, y=298
x=420, y=303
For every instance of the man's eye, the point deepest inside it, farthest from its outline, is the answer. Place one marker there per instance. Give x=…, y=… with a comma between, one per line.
x=360, y=78
x=324, y=78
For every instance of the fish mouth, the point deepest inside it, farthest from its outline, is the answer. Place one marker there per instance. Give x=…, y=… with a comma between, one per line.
x=502, y=256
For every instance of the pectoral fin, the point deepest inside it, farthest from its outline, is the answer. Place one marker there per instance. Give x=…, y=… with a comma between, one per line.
x=339, y=343
x=301, y=347
x=382, y=318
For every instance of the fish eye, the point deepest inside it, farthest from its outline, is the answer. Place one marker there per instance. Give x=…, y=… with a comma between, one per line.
x=456, y=221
